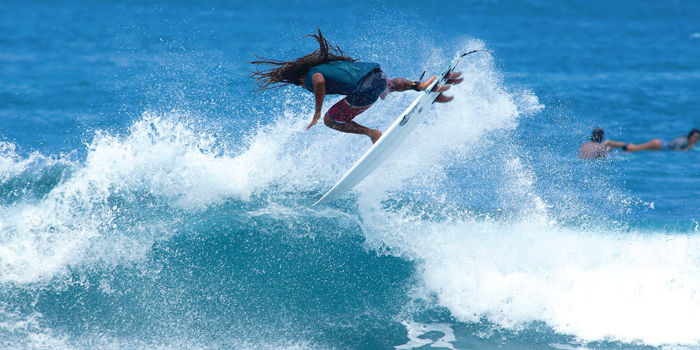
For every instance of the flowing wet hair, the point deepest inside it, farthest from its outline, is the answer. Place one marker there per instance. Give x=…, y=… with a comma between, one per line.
x=692, y=132
x=290, y=72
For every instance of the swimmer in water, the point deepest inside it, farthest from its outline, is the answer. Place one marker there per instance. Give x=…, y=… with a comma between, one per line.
x=681, y=143
x=594, y=149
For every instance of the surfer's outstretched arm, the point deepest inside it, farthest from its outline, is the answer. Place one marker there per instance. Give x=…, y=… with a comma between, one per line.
x=401, y=84
x=319, y=95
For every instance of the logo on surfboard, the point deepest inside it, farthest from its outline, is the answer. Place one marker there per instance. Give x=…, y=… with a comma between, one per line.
x=408, y=115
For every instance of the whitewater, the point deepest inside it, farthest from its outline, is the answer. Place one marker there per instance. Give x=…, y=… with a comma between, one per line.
x=174, y=224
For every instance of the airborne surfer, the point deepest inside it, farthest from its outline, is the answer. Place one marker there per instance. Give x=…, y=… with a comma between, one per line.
x=329, y=71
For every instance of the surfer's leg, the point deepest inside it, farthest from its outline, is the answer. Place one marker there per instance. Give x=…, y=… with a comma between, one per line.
x=353, y=128
x=340, y=116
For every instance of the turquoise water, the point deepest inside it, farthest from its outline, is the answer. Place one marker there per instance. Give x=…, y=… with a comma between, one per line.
x=151, y=199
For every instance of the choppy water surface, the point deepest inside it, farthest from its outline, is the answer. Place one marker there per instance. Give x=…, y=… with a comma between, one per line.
x=151, y=199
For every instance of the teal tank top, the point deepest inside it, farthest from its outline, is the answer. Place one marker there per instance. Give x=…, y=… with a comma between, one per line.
x=342, y=77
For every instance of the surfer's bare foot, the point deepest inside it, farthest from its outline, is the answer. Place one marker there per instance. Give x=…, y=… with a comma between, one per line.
x=444, y=99
x=374, y=135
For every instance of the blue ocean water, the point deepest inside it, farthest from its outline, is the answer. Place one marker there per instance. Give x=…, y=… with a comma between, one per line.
x=150, y=198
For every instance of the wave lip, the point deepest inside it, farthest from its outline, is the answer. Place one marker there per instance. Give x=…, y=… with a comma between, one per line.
x=111, y=207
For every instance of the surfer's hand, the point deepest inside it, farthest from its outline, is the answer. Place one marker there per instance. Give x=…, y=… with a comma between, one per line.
x=454, y=78
x=424, y=85
x=317, y=116
x=444, y=99
x=437, y=88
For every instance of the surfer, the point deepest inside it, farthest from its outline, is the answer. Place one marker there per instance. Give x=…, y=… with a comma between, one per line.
x=329, y=71
x=594, y=148
x=681, y=143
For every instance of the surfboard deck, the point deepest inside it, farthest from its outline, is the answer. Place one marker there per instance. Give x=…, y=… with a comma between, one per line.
x=392, y=139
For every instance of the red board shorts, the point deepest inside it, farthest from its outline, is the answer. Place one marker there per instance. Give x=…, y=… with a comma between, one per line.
x=376, y=85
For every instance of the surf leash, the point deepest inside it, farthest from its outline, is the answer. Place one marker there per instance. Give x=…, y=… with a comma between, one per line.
x=474, y=51
x=462, y=55
x=425, y=69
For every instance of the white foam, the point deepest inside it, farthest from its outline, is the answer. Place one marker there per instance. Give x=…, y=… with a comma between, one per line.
x=595, y=283
x=415, y=330
x=169, y=160
x=162, y=157
x=13, y=165
x=24, y=332
x=598, y=285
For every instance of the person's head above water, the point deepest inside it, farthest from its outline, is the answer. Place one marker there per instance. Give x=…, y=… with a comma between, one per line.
x=693, y=138
x=597, y=135
x=292, y=72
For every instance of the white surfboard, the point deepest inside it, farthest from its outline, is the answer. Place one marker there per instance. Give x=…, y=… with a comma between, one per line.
x=392, y=138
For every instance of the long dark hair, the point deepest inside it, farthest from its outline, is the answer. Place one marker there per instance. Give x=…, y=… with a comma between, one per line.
x=290, y=72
